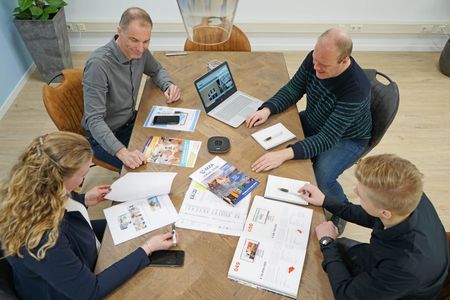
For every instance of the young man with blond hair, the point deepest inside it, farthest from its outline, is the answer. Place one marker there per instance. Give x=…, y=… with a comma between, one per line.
x=337, y=121
x=407, y=257
x=112, y=77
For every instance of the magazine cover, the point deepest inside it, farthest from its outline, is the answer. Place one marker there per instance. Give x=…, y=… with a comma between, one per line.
x=225, y=180
x=171, y=151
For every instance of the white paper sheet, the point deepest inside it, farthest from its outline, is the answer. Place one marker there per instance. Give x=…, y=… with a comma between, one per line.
x=188, y=118
x=273, y=136
x=139, y=185
x=284, y=189
x=202, y=210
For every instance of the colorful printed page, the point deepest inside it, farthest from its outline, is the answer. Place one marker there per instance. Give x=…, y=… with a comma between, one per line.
x=171, y=151
x=271, y=250
x=188, y=118
x=225, y=180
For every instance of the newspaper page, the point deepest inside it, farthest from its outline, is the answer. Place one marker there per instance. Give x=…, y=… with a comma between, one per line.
x=188, y=118
x=134, y=218
x=225, y=180
x=202, y=210
x=171, y=151
x=271, y=250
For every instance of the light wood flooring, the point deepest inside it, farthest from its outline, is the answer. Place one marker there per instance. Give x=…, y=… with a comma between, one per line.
x=420, y=132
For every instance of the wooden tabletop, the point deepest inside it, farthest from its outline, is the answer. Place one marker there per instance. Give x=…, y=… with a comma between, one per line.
x=208, y=255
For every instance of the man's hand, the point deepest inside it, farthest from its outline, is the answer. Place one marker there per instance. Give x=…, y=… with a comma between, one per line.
x=326, y=229
x=172, y=94
x=272, y=160
x=96, y=195
x=312, y=194
x=257, y=118
x=131, y=159
x=158, y=242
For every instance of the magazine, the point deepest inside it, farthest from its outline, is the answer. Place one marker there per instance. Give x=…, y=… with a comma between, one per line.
x=271, y=250
x=204, y=211
x=188, y=118
x=171, y=151
x=134, y=218
x=225, y=180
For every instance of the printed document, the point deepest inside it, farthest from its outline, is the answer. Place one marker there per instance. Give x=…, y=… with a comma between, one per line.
x=188, y=118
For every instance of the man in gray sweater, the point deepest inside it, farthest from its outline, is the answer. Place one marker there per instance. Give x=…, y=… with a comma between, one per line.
x=112, y=77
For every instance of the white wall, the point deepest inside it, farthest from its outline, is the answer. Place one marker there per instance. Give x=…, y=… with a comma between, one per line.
x=391, y=25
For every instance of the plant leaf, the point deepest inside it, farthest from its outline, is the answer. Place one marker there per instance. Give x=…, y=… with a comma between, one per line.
x=50, y=10
x=36, y=11
x=23, y=15
x=25, y=4
x=56, y=3
x=44, y=16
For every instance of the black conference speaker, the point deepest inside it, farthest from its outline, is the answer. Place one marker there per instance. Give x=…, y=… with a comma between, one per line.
x=218, y=144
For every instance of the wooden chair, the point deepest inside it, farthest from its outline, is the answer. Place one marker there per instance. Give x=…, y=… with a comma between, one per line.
x=385, y=100
x=238, y=41
x=64, y=104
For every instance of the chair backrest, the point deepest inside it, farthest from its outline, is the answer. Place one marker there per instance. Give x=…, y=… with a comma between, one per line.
x=385, y=100
x=238, y=41
x=65, y=106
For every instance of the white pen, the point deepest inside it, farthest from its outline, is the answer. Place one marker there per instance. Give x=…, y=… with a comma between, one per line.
x=285, y=190
x=273, y=136
x=174, y=235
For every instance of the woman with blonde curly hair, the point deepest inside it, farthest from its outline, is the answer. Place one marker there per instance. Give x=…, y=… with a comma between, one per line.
x=46, y=236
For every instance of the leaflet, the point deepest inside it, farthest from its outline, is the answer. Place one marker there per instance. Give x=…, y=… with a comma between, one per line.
x=171, y=151
x=271, y=250
x=188, y=118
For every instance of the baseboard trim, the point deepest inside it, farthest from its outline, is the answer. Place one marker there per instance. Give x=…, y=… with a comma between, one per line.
x=12, y=96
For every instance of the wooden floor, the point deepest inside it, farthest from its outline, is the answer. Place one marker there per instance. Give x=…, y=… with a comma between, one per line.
x=420, y=132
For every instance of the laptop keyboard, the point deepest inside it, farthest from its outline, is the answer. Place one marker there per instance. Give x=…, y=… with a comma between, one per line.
x=234, y=107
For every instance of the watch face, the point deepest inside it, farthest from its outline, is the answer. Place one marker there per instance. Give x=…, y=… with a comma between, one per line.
x=325, y=240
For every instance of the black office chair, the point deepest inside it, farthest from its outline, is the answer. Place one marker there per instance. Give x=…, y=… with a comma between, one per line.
x=385, y=100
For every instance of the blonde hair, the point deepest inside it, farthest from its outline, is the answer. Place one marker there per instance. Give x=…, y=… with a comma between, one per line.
x=341, y=40
x=393, y=183
x=33, y=196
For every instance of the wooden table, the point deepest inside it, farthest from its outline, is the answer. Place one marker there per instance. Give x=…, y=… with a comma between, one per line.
x=208, y=256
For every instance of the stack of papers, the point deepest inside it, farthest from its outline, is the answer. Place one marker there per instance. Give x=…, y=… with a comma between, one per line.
x=284, y=189
x=273, y=136
x=188, y=118
x=146, y=206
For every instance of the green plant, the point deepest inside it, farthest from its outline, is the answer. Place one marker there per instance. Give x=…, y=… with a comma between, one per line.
x=37, y=9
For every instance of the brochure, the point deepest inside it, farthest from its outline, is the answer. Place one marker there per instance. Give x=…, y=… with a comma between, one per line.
x=284, y=189
x=271, y=250
x=273, y=136
x=188, y=118
x=171, y=151
x=202, y=210
x=225, y=180
x=134, y=218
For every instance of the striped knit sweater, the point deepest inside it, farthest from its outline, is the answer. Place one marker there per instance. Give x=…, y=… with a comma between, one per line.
x=336, y=109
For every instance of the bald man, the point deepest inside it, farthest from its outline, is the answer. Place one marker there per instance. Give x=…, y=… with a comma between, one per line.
x=337, y=120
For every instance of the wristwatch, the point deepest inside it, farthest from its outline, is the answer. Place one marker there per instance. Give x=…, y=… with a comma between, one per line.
x=325, y=241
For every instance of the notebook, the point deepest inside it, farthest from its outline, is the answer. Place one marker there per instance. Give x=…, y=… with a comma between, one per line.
x=222, y=100
x=273, y=136
x=284, y=189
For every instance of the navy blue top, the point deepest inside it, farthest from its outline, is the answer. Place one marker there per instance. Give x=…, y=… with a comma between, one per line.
x=337, y=108
x=407, y=261
x=66, y=272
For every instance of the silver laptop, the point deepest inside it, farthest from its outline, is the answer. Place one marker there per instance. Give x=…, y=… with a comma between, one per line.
x=221, y=98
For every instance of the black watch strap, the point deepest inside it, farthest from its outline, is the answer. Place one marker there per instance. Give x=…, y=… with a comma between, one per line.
x=325, y=241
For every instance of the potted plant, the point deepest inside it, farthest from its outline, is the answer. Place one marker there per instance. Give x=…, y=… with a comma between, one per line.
x=42, y=25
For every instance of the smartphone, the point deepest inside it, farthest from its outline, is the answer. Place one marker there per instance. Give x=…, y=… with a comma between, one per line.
x=166, y=119
x=167, y=258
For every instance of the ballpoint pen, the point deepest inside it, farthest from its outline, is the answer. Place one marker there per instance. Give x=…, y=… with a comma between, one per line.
x=273, y=136
x=285, y=190
x=174, y=235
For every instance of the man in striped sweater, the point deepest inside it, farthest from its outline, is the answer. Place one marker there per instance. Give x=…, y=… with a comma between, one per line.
x=337, y=120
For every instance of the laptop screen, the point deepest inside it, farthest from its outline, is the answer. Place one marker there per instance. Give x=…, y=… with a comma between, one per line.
x=215, y=86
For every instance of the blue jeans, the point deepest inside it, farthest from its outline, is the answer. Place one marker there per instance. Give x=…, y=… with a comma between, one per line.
x=329, y=165
x=123, y=134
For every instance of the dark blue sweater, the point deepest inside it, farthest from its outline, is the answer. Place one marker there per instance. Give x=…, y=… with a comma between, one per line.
x=407, y=261
x=337, y=108
x=66, y=272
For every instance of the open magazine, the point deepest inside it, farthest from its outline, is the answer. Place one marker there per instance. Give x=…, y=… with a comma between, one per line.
x=271, y=250
x=225, y=180
x=171, y=151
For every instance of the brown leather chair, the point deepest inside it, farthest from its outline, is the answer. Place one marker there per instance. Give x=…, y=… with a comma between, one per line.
x=64, y=104
x=238, y=41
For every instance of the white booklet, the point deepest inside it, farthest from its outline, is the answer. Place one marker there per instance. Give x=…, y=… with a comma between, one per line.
x=134, y=218
x=273, y=136
x=188, y=118
x=271, y=250
x=204, y=211
x=284, y=189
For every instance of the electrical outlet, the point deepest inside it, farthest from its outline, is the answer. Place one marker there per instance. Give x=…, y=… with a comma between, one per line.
x=71, y=27
x=81, y=27
x=356, y=27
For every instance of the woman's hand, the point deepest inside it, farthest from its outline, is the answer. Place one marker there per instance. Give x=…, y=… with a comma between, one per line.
x=158, y=242
x=96, y=195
